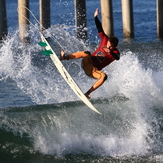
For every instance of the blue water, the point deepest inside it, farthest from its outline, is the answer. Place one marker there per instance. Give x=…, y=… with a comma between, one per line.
x=42, y=120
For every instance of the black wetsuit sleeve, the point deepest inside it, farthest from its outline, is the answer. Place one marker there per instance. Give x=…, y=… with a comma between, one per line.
x=98, y=25
x=115, y=55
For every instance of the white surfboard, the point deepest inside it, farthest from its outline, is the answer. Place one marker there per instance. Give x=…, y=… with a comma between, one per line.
x=67, y=76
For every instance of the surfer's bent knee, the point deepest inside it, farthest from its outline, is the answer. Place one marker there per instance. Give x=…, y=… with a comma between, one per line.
x=87, y=52
x=103, y=76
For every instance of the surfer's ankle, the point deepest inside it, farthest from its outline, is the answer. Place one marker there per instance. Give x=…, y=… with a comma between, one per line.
x=63, y=56
x=87, y=95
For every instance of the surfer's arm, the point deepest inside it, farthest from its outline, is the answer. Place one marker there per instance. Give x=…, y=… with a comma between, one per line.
x=115, y=55
x=97, y=22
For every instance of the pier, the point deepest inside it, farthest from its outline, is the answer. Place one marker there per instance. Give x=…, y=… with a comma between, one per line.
x=44, y=14
x=80, y=18
x=127, y=18
x=107, y=17
x=23, y=23
x=159, y=5
x=3, y=19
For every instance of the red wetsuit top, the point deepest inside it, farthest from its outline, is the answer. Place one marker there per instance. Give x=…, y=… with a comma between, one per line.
x=100, y=57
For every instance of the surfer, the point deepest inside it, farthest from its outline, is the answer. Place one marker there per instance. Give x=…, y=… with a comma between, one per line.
x=93, y=63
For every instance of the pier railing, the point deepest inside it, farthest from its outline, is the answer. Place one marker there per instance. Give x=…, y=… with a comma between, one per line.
x=80, y=18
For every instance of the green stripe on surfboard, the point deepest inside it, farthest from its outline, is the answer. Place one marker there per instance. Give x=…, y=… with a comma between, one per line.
x=47, y=52
x=43, y=44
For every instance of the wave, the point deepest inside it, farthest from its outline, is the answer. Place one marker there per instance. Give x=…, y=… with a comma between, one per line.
x=72, y=128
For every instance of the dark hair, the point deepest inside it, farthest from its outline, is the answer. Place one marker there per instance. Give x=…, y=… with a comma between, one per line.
x=114, y=40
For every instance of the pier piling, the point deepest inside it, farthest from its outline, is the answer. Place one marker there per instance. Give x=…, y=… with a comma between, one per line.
x=127, y=19
x=44, y=14
x=23, y=22
x=3, y=19
x=80, y=19
x=107, y=17
x=159, y=4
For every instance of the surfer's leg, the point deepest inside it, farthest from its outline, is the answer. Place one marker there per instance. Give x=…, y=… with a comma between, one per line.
x=80, y=54
x=93, y=72
x=101, y=79
x=76, y=55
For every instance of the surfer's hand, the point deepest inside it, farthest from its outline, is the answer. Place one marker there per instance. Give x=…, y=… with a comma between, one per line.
x=96, y=13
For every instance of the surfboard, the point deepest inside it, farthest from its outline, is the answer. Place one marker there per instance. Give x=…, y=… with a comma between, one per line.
x=67, y=77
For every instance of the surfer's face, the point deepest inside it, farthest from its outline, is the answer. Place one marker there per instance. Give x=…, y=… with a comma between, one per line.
x=110, y=45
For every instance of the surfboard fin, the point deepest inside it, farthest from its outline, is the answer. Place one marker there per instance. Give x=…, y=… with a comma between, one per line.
x=43, y=44
x=46, y=52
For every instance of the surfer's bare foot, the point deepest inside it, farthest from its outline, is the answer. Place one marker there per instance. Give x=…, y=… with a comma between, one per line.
x=88, y=95
x=63, y=56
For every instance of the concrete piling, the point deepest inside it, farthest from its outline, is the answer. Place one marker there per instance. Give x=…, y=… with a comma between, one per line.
x=127, y=19
x=3, y=19
x=80, y=19
x=159, y=4
x=23, y=22
x=44, y=14
x=107, y=17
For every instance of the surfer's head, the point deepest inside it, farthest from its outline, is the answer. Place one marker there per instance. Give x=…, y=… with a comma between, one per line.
x=112, y=42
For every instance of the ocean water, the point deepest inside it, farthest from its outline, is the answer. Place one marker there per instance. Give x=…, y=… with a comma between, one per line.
x=42, y=120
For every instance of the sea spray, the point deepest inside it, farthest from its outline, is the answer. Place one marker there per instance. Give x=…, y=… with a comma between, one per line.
x=35, y=74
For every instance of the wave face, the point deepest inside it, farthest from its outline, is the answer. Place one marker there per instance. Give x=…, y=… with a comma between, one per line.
x=70, y=128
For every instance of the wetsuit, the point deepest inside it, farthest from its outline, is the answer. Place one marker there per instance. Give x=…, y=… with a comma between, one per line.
x=100, y=57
